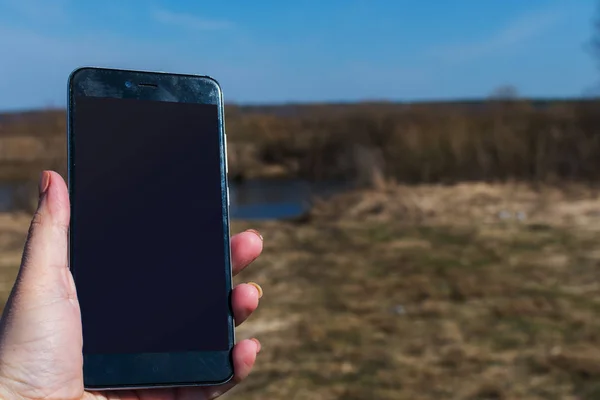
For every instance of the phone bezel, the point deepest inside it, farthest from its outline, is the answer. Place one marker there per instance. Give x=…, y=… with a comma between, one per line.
x=154, y=370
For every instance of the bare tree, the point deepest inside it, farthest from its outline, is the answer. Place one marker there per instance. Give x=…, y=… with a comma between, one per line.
x=505, y=92
x=593, y=48
x=594, y=44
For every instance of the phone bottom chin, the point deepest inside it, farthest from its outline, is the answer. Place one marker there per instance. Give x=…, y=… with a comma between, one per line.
x=156, y=370
x=163, y=385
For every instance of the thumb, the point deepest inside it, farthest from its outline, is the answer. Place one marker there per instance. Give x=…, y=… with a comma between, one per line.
x=40, y=329
x=44, y=267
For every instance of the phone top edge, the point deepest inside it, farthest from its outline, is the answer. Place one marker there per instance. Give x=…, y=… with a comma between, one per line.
x=143, y=71
x=129, y=84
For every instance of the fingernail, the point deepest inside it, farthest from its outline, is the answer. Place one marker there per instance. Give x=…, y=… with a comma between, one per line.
x=258, y=288
x=44, y=182
x=257, y=233
x=258, y=345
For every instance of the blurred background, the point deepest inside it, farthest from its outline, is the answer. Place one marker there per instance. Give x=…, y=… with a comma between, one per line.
x=425, y=175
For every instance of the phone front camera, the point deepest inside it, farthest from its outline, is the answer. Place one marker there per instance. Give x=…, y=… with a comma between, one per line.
x=128, y=84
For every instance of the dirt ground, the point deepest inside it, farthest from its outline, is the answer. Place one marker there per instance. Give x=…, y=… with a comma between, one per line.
x=469, y=292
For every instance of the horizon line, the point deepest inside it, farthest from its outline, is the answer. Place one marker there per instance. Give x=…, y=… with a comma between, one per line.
x=463, y=100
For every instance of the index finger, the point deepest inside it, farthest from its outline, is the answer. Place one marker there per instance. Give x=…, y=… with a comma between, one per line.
x=245, y=248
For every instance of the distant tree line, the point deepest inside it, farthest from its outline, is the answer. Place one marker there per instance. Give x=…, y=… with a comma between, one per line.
x=495, y=140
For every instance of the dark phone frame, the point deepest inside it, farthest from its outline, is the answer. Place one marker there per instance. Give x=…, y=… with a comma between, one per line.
x=153, y=370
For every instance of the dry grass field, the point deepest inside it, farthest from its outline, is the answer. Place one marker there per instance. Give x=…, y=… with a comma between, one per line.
x=470, y=291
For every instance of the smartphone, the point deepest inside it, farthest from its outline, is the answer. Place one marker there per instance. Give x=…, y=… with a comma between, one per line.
x=149, y=242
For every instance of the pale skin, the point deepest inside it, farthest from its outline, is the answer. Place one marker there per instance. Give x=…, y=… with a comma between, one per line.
x=40, y=330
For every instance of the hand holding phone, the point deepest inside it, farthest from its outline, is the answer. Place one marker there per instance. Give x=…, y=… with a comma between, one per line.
x=46, y=362
x=126, y=282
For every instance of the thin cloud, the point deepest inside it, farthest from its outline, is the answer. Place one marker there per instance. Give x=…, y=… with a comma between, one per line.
x=39, y=10
x=516, y=32
x=190, y=21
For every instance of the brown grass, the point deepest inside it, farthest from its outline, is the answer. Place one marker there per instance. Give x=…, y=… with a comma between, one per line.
x=428, y=292
x=395, y=302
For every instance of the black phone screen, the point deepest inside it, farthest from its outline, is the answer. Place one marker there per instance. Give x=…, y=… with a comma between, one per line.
x=147, y=246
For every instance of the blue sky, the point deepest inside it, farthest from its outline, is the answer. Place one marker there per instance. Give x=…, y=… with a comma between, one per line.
x=299, y=51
